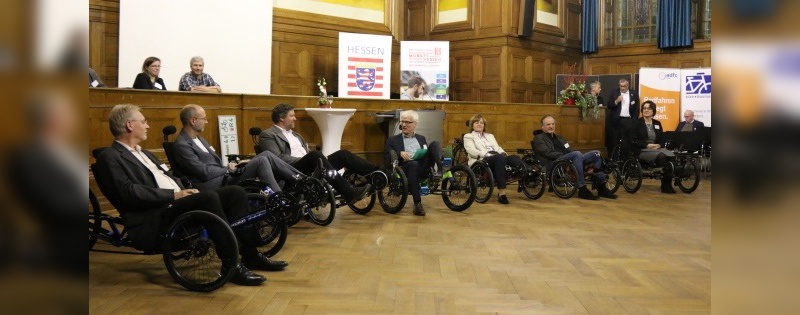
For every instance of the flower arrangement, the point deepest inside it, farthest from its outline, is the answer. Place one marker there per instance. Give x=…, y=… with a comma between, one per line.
x=575, y=94
x=324, y=100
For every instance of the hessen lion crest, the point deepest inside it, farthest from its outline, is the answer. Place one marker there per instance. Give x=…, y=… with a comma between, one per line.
x=365, y=78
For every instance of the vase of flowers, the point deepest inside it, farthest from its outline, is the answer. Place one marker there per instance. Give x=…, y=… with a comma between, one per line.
x=575, y=94
x=324, y=101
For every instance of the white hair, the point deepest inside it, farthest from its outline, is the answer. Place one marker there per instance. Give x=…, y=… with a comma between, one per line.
x=410, y=113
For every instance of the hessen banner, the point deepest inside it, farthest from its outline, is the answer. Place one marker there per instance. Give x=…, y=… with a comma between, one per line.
x=696, y=93
x=663, y=87
x=364, y=65
x=429, y=60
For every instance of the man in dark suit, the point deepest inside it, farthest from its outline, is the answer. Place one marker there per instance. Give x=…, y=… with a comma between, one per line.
x=148, y=198
x=405, y=146
x=292, y=148
x=199, y=162
x=623, y=105
x=689, y=124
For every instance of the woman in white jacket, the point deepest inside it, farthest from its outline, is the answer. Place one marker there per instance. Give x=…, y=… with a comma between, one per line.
x=481, y=145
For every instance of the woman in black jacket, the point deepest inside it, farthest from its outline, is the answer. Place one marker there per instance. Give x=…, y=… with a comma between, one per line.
x=148, y=79
x=647, y=135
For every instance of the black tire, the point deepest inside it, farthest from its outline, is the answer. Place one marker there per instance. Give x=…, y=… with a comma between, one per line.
x=272, y=229
x=533, y=185
x=484, y=181
x=631, y=175
x=460, y=155
x=614, y=180
x=200, y=251
x=459, y=190
x=364, y=205
x=563, y=179
x=95, y=223
x=689, y=177
x=393, y=197
x=323, y=211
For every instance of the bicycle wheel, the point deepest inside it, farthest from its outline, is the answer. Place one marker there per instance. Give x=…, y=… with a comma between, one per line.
x=200, y=251
x=631, y=175
x=323, y=210
x=563, y=179
x=532, y=184
x=393, y=197
x=272, y=229
x=364, y=205
x=460, y=155
x=484, y=181
x=459, y=189
x=689, y=177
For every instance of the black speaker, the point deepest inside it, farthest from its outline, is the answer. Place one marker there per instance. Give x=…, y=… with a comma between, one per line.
x=527, y=17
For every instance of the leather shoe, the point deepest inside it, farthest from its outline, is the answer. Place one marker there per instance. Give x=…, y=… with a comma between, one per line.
x=418, y=209
x=602, y=191
x=261, y=262
x=243, y=276
x=584, y=193
x=503, y=199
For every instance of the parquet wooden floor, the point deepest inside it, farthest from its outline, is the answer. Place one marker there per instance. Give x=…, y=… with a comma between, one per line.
x=646, y=253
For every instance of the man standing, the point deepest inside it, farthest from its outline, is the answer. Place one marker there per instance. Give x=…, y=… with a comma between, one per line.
x=416, y=166
x=148, y=199
x=415, y=90
x=198, y=161
x=292, y=148
x=623, y=105
x=549, y=147
x=196, y=80
x=689, y=124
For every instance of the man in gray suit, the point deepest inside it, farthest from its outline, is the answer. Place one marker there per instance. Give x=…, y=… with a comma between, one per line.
x=292, y=148
x=199, y=162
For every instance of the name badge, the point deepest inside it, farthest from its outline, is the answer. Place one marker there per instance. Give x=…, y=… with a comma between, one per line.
x=425, y=146
x=164, y=167
x=95, y=83
x=212, y=149
x=566, y=145
x=158, y=85
x=658, y=127
x=633, y=102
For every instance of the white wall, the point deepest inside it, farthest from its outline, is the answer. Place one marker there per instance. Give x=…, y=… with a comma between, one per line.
x=234, y=39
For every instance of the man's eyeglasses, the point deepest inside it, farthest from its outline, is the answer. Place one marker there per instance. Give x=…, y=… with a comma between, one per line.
x=201, y=118
x=406, y=122
x=143, y=121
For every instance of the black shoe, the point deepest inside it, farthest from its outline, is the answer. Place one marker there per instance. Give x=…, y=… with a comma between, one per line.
x=503, y=199
x=602, y=191
x=261, y=262
x=243, y=276
x=584, y=193
x=359, y=193
x=418, y=209
x=666, y=186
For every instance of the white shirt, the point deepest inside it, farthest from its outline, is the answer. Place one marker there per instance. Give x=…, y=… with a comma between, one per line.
x=200, y=144
x=625, y=110
x=163, y=181
x=295, y=145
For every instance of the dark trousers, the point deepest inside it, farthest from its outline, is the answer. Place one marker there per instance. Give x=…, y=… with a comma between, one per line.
x=618, y=131
x=346, y=159
x=308, y=163
x=498, y=164
x=418, y=169
x=228, y=203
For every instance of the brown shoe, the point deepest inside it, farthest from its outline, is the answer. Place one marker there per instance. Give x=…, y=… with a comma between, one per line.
x=418, y=209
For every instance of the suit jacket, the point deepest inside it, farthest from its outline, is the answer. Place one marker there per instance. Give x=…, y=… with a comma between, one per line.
x=696, y=124
x=544, y=149
x=395, y=143
x=274, y=141
x=615, y=109
x=637, y=135
x=476, y=149
x=142, y=82
x=94, y=77
x=130, y=186
x=204, y=170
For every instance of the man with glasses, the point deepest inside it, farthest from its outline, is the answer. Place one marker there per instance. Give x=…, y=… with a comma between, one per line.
x=689, y=124
x=405, y=146
x=623, y=105
x=415, y=90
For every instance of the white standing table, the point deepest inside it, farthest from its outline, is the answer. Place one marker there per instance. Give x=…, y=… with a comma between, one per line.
x=331, y=122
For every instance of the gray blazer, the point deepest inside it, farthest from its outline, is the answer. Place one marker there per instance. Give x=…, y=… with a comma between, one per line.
x=274, y=141
x=204, y=170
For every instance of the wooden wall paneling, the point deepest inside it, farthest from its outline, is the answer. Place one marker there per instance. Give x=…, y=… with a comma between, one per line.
x=418, y=19
x=104, y=40
x=572, y=23
x=629, y=58
x=490, y=17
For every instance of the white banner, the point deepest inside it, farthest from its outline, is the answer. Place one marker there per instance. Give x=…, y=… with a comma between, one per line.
x=228, y=137
x=696, y=93
x=663, y=87
x=365, y=65
x=429, y=61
